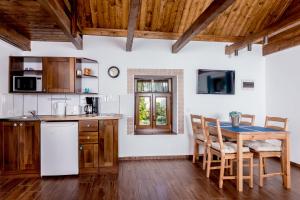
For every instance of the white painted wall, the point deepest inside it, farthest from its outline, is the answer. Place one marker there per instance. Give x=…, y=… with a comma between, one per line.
x=157, y=54
x=282, y=91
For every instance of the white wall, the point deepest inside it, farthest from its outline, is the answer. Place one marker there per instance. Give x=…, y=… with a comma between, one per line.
x=157, y=54
x=283, y=94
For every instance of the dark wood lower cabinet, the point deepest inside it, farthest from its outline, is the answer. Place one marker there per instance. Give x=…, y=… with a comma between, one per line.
x=21, y=148
x=100, y=156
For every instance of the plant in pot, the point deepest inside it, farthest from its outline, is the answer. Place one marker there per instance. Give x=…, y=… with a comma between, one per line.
x=235, y=118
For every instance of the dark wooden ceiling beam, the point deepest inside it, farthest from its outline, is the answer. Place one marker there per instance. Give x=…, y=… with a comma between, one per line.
x=209, y=15
x=282, y=41
x=284, y=24
x=14, y=38
x=132, y=19
x=54, y=8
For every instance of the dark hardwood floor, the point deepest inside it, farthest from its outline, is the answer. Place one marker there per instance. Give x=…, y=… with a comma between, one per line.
x=158, y=179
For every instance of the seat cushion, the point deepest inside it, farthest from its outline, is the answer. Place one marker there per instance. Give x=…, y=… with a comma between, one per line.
x=262, y=146
x=199, y=137
x=229, y=147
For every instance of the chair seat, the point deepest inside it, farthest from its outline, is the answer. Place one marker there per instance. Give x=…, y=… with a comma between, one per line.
x=199, y=137
x=262, y=146
x=202, y=138
x=229, y=147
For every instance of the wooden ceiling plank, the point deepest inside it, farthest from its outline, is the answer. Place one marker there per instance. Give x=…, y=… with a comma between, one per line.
x=118, y=14
x=112, y=13
x=157, y=35
x=125, y=7
x=178, y=16
x=281, y=45
x=275, y=28
x=14, y=38
x=213, y=11
x=94, y=12
x=184, y=16
x=143, y=14
x=167, y=12
x=63, y=21
x=132, y=19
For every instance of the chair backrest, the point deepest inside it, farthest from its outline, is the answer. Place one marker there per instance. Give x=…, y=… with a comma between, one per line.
x=198, y=125
x=275, y=122
x=212, y=127
x=247, y=119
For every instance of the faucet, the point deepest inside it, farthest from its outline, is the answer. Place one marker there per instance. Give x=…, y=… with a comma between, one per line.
x=33, y=113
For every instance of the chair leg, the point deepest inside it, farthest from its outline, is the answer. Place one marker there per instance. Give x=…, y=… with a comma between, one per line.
x=282, y=167
x=196, y=152
x=251, y=172
x=261, y=171
x=265, y=165
x=208, y=163
x=222, y=172
x=204, y=157
x=231, y=167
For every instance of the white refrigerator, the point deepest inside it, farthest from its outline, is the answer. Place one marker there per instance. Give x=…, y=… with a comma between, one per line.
x=59, y=148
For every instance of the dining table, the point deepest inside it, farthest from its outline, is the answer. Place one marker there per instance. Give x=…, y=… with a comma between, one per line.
x=246, y=132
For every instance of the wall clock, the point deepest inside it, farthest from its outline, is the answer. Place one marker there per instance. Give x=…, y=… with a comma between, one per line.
x=113, y=72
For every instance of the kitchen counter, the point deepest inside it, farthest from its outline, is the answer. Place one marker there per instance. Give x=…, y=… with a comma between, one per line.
x=64, y=118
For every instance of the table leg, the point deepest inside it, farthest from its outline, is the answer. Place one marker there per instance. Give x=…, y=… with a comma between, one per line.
x=286, y=162
x=239, y=183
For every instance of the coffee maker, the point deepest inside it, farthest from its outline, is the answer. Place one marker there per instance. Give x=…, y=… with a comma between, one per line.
x=92, y=106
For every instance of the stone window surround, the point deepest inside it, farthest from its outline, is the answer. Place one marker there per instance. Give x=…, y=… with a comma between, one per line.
x=177, y=73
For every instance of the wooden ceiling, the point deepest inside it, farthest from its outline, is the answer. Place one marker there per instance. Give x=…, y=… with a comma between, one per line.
x=28, y=18
x=241, y=22
x=175, y=16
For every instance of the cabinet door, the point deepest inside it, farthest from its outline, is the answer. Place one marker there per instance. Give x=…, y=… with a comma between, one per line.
x=29, y=147
x=88, y=156
x=108, y=143
x=59, y=75
x=10, y=152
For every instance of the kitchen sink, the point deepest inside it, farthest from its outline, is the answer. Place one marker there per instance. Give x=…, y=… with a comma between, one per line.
x=24, y=118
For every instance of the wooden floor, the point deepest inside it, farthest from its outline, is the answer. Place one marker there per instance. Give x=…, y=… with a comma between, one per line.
x=161, y=179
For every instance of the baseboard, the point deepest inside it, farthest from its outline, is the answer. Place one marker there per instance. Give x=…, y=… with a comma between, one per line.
x=175, y=157
x=295, y=164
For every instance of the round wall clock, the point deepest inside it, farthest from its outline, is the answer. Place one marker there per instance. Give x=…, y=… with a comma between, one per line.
x=113, y=72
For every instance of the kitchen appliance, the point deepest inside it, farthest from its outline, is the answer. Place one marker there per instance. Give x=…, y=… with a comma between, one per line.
x=59, y=148
x=88, y=109
x=72, y=110
x=94, y=103
x=59, y=108
x=27, y=83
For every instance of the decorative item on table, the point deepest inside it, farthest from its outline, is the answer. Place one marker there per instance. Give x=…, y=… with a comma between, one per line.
x=87, y=71
x=235, y=118
x=87, y=90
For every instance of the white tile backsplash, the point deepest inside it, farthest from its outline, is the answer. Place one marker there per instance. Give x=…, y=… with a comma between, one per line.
x=7, y=106
x=18, y=104
x=44, y=104
x=30, y=103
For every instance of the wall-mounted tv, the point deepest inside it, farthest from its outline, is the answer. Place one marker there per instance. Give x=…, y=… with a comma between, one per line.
x=215, y=82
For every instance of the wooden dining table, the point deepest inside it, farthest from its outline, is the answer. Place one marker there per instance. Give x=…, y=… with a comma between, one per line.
x=244, y=132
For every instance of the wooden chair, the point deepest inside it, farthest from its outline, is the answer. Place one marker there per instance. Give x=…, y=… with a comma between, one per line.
x=265, y=149
x=226, y=151
x=199, y=137
x=247, y=119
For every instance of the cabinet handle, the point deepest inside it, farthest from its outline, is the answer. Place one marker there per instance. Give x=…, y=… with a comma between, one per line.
x=88, y=125
x=88, y=137
x=15, y=124
x=80, y=147
x=21, y=124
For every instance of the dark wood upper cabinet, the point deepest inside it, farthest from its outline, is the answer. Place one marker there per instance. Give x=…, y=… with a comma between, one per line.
x=59, y=75
x=21, y=147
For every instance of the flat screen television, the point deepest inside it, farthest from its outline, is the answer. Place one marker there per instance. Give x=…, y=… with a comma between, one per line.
x=215, y=82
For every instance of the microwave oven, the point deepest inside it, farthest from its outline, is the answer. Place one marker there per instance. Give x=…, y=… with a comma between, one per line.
x=27, y=83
